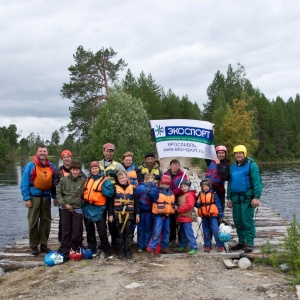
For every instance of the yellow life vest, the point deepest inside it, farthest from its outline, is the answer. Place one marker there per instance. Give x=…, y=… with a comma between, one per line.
x=164, y=205
x=93, y=191
x=208, y=205
x=154, y=171
x=111, y=167
x=43, y=178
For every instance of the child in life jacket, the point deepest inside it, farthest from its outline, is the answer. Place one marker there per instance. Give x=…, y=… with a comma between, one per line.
x=124, y=210
x=163, y=205
x=186, y=203
x=97, y=193
x=144, y=226
x=69, y=193
x=210, y=210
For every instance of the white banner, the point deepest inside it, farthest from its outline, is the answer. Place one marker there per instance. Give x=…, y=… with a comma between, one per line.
x=184, y=138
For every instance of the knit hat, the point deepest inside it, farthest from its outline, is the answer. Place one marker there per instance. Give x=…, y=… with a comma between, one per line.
x=94, y=164
x=66, y=152
x=166, y=179
x=185, y=182
x=150, y=154
x=205, y=181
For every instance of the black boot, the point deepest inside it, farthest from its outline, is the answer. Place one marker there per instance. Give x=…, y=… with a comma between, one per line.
x=238, y=246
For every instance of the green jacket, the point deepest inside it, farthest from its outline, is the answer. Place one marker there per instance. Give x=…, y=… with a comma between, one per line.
x=70, y=191
x=251, y=176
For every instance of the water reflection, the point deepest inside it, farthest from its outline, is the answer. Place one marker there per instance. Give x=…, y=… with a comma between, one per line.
x=282, y=189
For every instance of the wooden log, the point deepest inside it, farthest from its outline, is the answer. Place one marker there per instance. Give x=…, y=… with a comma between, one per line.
x=6, y=254
x=10, y=265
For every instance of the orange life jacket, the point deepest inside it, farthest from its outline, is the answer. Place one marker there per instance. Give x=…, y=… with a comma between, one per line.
x=124, y=203
x=43, y=178
x=164, y=205
x=93, y=191
x=208, y=205
x=132, y=178
x=124, y=200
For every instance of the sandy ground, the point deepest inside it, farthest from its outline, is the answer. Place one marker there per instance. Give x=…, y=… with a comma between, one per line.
x=178, y=277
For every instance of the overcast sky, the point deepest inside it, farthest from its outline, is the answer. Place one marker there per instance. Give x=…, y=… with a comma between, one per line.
x=182, y=44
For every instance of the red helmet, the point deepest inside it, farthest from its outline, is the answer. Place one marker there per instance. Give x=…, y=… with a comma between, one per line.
x=166, y=179
x=109, y=146
x=221, y=148
x=75, y=255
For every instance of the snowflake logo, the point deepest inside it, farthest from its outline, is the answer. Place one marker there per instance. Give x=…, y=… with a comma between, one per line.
x=159, y=130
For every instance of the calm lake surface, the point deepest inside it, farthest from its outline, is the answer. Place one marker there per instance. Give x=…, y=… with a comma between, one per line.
x=281, y=192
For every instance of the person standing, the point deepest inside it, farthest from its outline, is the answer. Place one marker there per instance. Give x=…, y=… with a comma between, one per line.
x=37, y=188
x=218, y=173
x=129, y=165
x=149, y=166
x=70, y=196
x=64, y=170
x=177, y=175
x=108, y=165
x=110, y=168
x=97, y=193
x=243, y=194
x=122, y=212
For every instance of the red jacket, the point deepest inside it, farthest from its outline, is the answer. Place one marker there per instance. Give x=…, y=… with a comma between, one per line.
x=186, y=202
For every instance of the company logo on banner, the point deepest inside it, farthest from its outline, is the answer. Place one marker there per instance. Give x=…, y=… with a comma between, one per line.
x=184, y=138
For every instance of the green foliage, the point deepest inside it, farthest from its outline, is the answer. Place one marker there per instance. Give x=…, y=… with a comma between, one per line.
x=88, y=86
x=237, y=126
x=122, y=121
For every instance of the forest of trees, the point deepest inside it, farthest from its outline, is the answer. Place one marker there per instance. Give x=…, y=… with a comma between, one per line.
x=106, y=109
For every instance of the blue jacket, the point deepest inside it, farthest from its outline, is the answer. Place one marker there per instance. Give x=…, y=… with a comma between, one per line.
x=144, y=198
x=27, y=188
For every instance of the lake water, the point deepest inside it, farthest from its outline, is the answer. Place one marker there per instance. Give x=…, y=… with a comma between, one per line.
x=281, y=192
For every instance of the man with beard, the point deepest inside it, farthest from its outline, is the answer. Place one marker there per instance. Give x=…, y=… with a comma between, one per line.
x=37, y=188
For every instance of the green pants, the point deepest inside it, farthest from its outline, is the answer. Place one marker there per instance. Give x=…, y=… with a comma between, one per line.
x=243, y=217
x=39, y=221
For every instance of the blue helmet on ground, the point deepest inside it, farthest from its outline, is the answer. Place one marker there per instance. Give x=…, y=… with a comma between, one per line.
x=224, y=236
x=53, y=258
x=87, y=253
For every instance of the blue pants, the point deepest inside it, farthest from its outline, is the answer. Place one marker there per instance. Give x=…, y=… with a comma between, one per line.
x=210, y=227
x=187, y=236
x=161, y=226
x=144, y=230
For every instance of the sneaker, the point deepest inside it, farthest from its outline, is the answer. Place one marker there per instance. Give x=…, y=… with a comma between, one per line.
x=248, y=248
x=182, y=249
x=220, y=249
x=238, y=246
x=66, y=259
x=140, y=250
x=152, y=254
x=35, y=251
x=128, y=255
x=207, y=249
x=166, y=251
x=192, y=252
x=45, y=249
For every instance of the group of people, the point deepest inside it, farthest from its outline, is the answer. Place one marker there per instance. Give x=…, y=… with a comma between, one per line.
x=121, y=195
